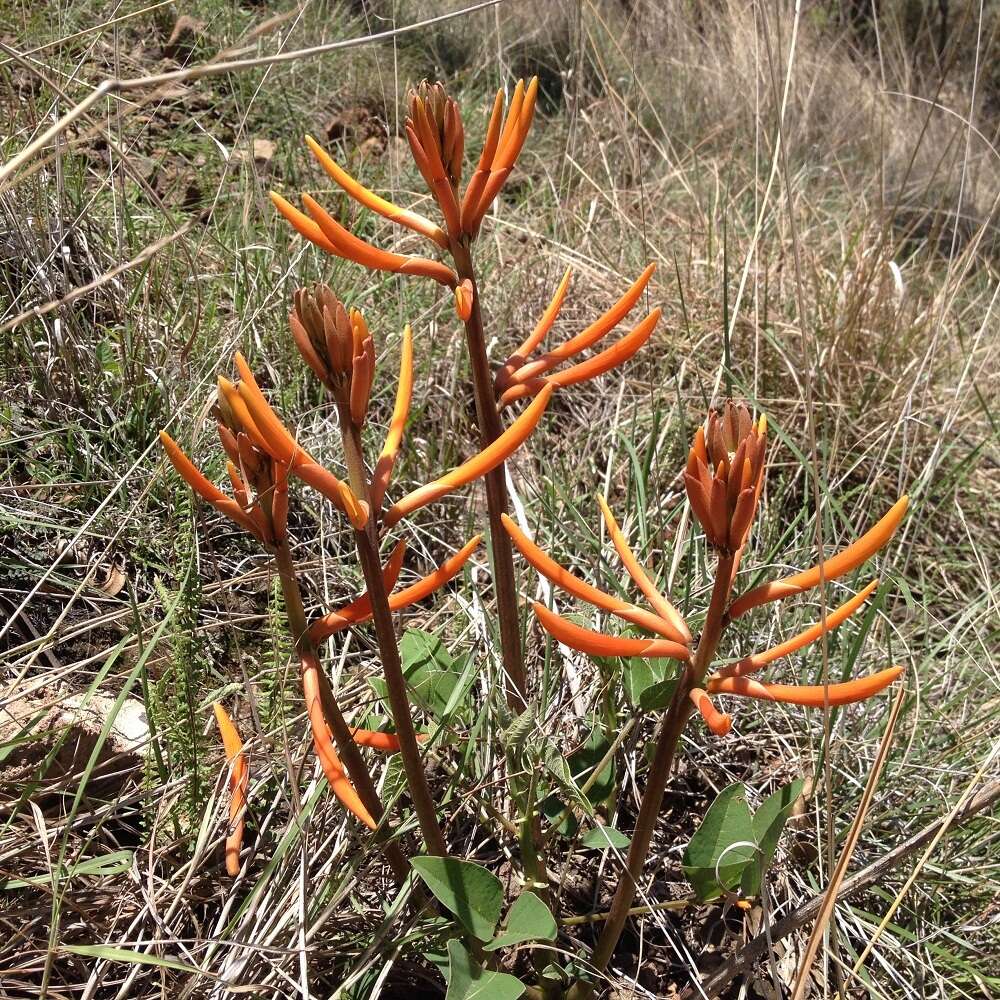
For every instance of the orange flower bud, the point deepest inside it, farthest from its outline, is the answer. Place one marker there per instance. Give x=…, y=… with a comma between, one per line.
x=463, y=300
x=239, y=782
x=724, y=475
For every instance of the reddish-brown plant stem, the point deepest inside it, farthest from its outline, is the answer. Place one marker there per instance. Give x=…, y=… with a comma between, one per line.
x=667, y=739
x=354, y=762
x=490, y=429
x=399, y=703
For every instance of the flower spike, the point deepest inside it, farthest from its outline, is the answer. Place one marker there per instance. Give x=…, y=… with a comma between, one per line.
x=361, y=610
x=598, y=644
x=487, y=460
x=835, y=618
x=718, y=722
x=561, y=577
x=609, y=358
x=239, y=783
x=394, y=436
x=843, y=562
x=348, y=246
x=387, y=209
x=812, y=696
x=637, y=571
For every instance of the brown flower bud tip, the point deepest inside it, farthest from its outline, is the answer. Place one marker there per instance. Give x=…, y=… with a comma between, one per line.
x=724, y=474
x=463, y=300
x=437, y=122
x=335, y=343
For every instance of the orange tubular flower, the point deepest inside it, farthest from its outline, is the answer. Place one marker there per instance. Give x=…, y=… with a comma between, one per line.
x=361, y=610
x=718, y=722
x=323, y=743
x=598, y=644
x=835, y=618
x=477, y=466
x=518, y=369
x=361, y=194
x=349, y=247
x=239, y=783
x=463, y=300
x=843, y=562
x=609, y=358
x=387, y=742
x=635, y=569
x=400, y=411
x=284, y=448
x=330, y=236
x=542, y=327
x=815, y=696
x=500, y=153
x=561, y=577
x=724, y=475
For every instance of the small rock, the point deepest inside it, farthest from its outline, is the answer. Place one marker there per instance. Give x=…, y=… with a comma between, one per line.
x=263, y=151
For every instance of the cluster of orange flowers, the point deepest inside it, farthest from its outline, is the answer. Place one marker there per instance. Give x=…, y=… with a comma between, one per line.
x=723, y=478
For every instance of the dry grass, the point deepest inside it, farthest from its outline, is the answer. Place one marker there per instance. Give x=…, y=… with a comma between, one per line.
x=846, y=284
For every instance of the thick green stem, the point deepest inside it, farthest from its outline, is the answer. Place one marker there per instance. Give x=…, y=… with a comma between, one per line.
x=666, y=746
x=490, y=429
x=399, y=703
x=349, y=752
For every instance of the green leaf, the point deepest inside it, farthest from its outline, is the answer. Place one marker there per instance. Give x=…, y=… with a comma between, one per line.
x=529, y=919
x=113, y=863
x=469, y=891
x=583, y=762
x=467, y=980
x=519, y=730
x=433, y=675
x=604, y=837
x=768, y=822
x=112, y=954
x=712, y=862
x=649, y=684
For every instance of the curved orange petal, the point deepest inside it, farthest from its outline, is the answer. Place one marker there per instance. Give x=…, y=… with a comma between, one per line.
x=593, y=333
x=400, y=412
x=464, y=296
x=637, y=571
x=542, y=327
x=474, y=190
x=194, y=477
x=843, y=562
x=281, y=446
x=349, y=246
x=387, y=209
x=360, y=609
x=811, y=696
x=239, y=782
x=561, y=577
x=485, y=461
x=325, y=750
x=609, y=358
x=303, y=224
x=599, y=644
x=835, y=618
x=718, y=722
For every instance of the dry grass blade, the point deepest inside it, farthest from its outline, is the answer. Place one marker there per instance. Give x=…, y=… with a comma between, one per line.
x=847, y=852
